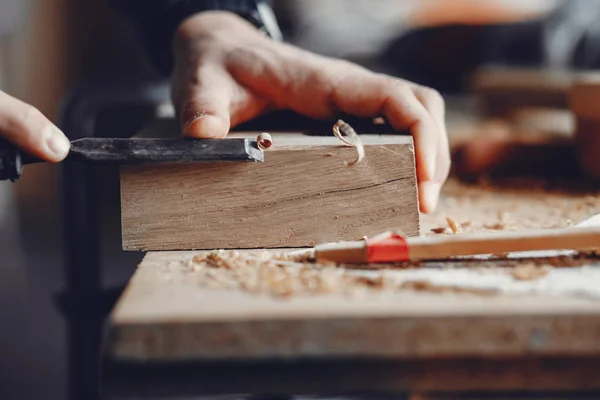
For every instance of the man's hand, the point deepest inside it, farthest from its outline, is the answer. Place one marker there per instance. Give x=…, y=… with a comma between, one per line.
x=27, y=128
x=227, y=72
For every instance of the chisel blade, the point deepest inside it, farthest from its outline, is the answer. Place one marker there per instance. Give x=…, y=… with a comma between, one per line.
x=155, y=150
x=130, y=151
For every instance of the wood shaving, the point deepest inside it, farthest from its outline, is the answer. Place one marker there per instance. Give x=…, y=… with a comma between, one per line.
x=425, y=286
x=498, y=226
x=530, y=272
x=272, y=273
x=264, y=141
x=198, y=259
x=454, y=225
x=341, y=128
x=279, y=274
x=500, y=255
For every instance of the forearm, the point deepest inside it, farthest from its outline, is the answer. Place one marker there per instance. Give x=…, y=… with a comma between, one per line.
x=157, y=20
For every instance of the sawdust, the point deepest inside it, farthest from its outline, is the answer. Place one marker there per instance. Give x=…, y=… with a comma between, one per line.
x=425, y=286
x=272, y=273
x=520, y=206
x=453, y=227
x=511, y=206
x=498, y=226
x=530, y=272
x=281, y=275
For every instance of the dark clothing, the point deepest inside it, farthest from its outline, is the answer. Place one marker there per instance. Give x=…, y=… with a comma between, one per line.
x=157, y=20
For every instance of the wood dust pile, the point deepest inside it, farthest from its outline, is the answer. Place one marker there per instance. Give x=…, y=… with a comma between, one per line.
x=276, y=274
x=273, y=273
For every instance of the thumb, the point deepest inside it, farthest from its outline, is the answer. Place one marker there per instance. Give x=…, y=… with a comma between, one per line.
x=205, y=105
x=27, y=128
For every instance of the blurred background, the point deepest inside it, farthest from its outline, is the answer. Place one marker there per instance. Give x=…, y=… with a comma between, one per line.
x=48, y=48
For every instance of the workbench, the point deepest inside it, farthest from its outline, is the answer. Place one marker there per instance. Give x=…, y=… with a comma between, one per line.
x=472, y=327
x=477, y=325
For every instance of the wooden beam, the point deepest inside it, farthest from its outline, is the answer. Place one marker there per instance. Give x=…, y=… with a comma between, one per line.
x=301, y=195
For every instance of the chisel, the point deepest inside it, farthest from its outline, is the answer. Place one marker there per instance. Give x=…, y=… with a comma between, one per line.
x=137, y=151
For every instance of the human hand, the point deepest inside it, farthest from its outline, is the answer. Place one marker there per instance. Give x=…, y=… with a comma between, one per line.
x=27, y=128
x=227, y=72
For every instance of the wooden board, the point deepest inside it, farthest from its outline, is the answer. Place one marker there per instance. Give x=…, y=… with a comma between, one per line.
x=301, y=195
x=470, y=326
x=170, y=313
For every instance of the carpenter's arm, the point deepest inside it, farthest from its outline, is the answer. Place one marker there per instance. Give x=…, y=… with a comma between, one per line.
x=157, y=20
x=226, y=71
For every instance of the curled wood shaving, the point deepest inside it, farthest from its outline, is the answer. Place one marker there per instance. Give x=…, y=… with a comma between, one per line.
x=264, y=141
x=340, y=128
x=454, y=225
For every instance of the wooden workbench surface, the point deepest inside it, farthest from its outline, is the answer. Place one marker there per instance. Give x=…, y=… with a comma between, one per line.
x=176, y=308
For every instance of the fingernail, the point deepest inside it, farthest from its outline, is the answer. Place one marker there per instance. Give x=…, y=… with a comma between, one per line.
x=193, y=120
x=57, y=143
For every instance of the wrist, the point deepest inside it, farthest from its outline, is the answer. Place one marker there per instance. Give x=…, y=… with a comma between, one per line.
x=210, y=23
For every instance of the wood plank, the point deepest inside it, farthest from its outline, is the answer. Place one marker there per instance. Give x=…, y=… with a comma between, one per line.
x=301, y=195
x=471, y=308
x=170, y=313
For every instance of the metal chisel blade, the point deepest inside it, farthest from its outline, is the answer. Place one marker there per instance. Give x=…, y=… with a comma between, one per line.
x=144, y=150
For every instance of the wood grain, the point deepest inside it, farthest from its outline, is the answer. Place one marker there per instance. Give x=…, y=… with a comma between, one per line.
x=301, y=195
